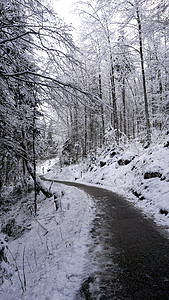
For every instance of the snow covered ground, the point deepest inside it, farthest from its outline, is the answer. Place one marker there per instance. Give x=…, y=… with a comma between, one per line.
x=45, y=256
x=46, y=259
x=141, y=175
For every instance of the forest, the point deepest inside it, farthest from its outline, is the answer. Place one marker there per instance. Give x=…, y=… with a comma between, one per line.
x=84, y=140
x=67, y=99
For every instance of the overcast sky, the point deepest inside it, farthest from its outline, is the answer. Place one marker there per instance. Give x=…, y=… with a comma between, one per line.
x=65, y=9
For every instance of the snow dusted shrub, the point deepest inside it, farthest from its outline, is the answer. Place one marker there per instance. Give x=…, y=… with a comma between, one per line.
x=8, y=228
x=17, y=190
x=21, y=189
x=3, y=250
x=12, y=229
x=30, y=187
x=3, y=260
x=30, y=207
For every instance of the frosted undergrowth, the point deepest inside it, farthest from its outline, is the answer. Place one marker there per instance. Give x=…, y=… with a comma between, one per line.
x=130, y=180
x=48, y=260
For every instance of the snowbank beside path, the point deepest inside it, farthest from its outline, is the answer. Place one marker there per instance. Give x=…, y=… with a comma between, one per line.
x=47, y=255
x=48, y=260
x=141, y=175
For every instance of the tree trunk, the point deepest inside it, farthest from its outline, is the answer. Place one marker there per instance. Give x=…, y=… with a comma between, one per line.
x=34, y=158
x=102, y=131
x=143, y=78
x=85, y=133
x=134, y=133
x=110, y=103
x=124, y=106
x=33, y=174
x=38, y=181
x=113, y=91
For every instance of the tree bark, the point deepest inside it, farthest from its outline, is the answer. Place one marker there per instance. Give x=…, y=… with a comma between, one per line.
x=102, y=130
x=85, y=133
x=143, y=77
x=124, y=106
x=113, y=92
x=38, y=181
x=34, y=157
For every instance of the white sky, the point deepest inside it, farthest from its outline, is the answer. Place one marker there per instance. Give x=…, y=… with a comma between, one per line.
x=65, y=8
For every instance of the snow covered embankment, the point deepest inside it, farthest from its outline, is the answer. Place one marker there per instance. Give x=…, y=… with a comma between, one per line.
x=141, y=175
x=48, y=260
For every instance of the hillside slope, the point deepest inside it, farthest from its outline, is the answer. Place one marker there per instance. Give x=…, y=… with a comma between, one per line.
x=141, y=175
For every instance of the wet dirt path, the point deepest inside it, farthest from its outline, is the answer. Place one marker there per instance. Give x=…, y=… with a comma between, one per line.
x=129, y=257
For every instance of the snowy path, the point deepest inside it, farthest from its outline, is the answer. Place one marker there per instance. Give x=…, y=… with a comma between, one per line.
x=129, y=257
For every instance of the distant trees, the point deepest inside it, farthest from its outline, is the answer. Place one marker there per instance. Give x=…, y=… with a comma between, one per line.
x=47, y=142
x=121, y=83
x=125, y=50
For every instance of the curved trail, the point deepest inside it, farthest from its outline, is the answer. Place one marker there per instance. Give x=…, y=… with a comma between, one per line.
x=129, y=257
